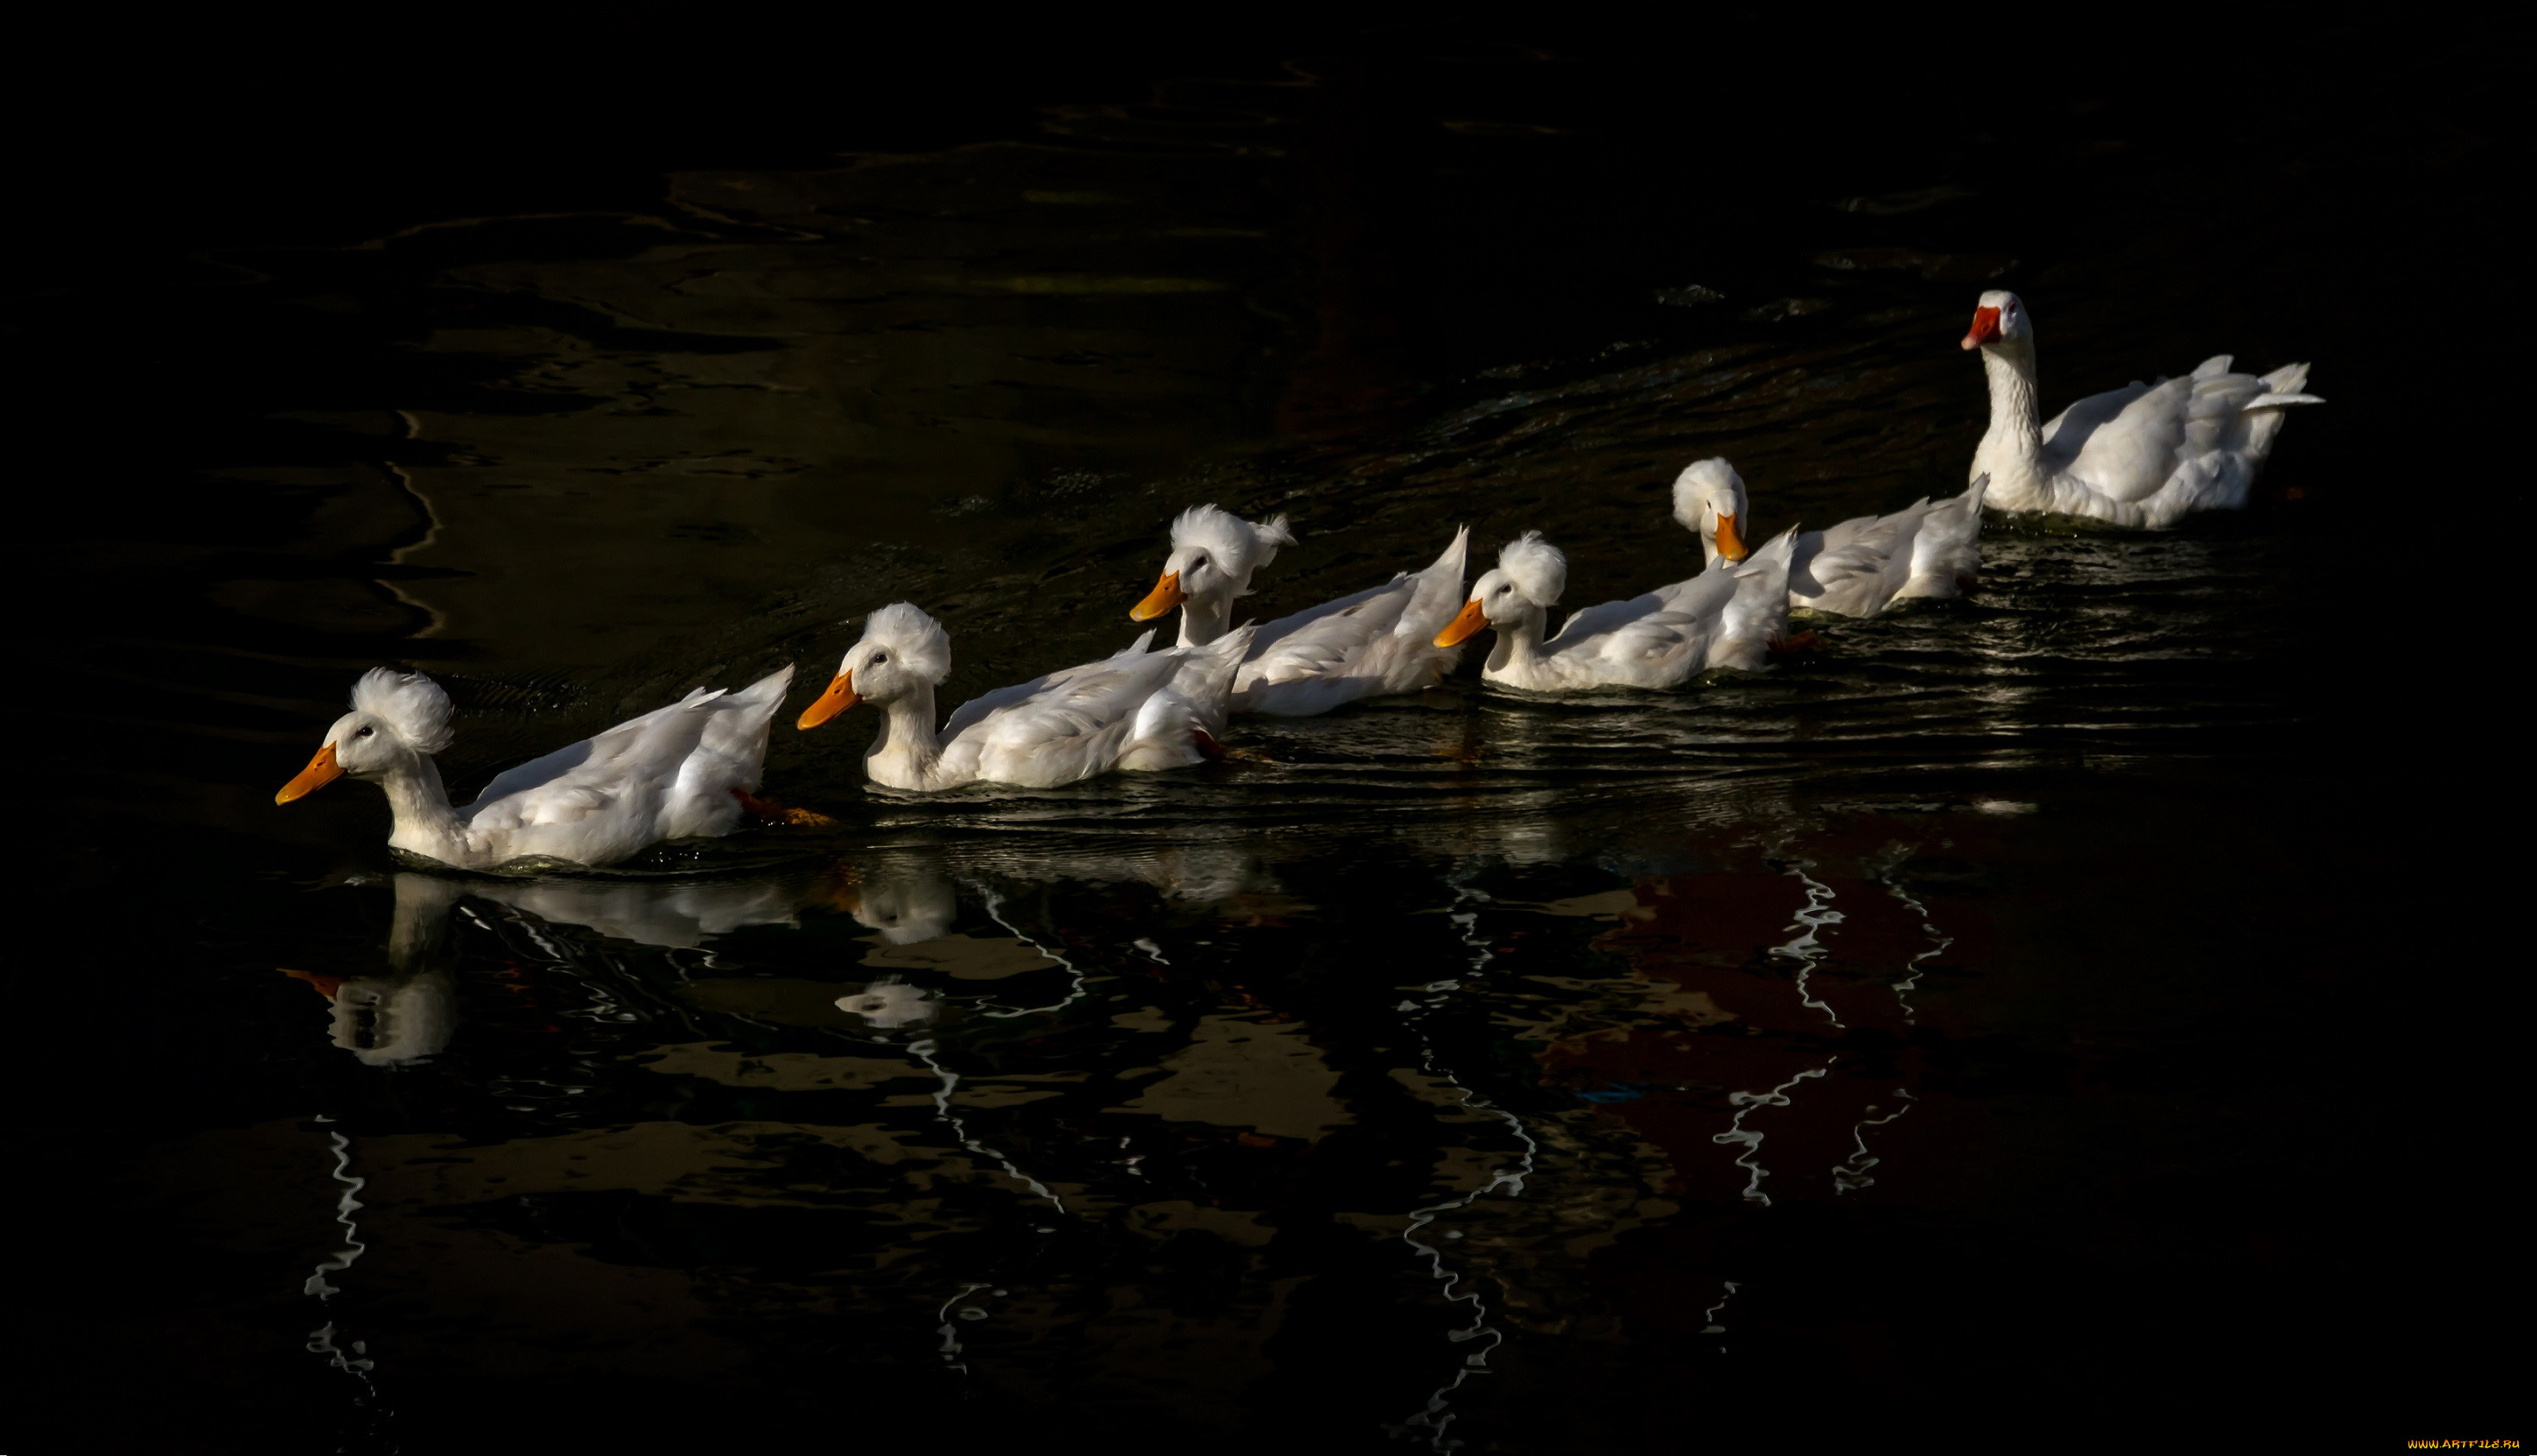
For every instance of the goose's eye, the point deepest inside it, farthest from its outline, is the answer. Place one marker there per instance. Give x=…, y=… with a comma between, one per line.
x=364, y=733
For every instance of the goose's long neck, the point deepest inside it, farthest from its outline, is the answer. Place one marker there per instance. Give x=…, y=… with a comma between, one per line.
x=904, y=753
x=1203, y=619
x=1518, y=654
x=426, y=824
x=2014, y=443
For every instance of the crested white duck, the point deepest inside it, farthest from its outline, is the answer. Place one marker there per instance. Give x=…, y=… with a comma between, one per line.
x=2145, y=455
x=1723, y=619
x=1379, y=642
x=1859, y=568
x=1124, y=712
x=676, y=772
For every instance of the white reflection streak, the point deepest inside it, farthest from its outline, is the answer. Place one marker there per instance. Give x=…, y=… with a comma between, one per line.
x=1911, y=967
x=354, y=1360
x=994, y=912
x=1806, y=950
x=952, y=1346
x=923, y=1051
x=1851, y=1173
x=1736, y=1132
x=1435, y=1416
x=1713, y=1327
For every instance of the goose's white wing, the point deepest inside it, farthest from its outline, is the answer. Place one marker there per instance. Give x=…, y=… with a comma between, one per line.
x=2067, y=432
x=2128, y=457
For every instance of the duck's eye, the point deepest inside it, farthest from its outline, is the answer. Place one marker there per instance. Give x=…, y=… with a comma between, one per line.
x=879, y=657
x=364, y=733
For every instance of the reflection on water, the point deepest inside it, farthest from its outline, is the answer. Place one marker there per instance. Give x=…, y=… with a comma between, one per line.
x=1048, y=1114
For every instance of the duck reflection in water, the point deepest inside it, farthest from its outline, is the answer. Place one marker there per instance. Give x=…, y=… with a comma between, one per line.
x=907, y=904
x=411, y=1012
x=891, y=1004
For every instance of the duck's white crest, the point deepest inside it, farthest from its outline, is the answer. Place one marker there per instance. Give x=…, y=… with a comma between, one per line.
x=1239, y=548
x=924, y=648
x=1538, y=569
x=410, y=703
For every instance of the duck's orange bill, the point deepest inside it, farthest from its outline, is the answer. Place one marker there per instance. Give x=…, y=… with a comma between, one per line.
x=1471, y=620
x=1986, y=328
x=326, y=986
x=1731, y=545
x=321, y=771
x=840, y=697
x=1167, y=593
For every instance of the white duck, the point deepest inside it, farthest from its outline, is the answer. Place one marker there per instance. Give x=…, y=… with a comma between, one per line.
x=1723, y=619
x=1124, y=712
x=1857, y=568
x=675, y=772
x=1376, y=643
x=2144, y=455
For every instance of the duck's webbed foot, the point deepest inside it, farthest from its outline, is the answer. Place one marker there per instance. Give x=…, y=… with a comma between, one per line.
x=775, y=811
x=1795, y=642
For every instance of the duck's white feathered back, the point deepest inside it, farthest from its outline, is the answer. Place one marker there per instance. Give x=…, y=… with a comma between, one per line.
x=1711, y=479
x=1240, y=546
x=923, y=647
x=1536, y=567
x=410, y=703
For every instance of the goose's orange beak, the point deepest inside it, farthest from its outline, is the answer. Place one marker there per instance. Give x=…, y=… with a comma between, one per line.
x=1471, y=620
x=321, y=771
x=1167, y=593
x=1986, y=328
x=840, y=697
x=1730, y=546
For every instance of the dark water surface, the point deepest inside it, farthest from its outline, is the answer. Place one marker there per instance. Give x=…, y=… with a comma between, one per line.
x=2026, y=1019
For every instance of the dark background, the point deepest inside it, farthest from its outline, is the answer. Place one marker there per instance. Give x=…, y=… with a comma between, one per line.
x=147, y=159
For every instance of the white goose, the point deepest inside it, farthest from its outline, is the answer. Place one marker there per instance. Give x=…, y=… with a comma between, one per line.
x=1723, y=619
x=1376, y=643
x=1124, y=712
x=1857, y=568
x=2144, y=455
x=676, y=772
